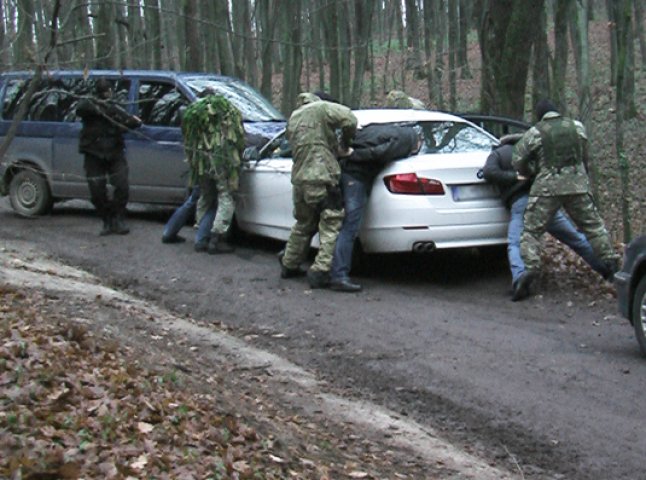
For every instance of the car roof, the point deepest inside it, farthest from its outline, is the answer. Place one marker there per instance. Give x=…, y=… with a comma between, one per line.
x=161, y=74
x=399, y=115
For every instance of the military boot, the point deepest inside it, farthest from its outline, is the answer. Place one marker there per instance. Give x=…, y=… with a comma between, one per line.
x=289, y=272
x=119, y=225
x=318, y=279
x=522, y=288
x=612, y=266
x=107, y=227
x=218, y=244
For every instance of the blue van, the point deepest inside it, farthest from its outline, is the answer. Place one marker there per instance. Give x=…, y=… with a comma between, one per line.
x=43, y=165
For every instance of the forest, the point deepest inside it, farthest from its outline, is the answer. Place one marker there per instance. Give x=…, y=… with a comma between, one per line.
x=489, y=56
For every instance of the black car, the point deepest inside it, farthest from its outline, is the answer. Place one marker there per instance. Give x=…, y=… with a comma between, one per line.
x=631, y=288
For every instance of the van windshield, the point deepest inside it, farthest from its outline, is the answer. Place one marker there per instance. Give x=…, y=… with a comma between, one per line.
x=252, y=105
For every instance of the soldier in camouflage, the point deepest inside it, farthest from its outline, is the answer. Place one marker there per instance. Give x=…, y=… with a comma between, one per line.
x=318, y=204
x=214, y=140
x=554, y=154
x=399, y=99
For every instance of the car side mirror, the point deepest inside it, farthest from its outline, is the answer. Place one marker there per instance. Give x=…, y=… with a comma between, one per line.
x=251, y=154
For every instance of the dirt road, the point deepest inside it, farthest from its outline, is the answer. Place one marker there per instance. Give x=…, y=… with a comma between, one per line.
x=547, y=388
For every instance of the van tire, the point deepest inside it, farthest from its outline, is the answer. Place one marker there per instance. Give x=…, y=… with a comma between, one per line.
x=29, y=193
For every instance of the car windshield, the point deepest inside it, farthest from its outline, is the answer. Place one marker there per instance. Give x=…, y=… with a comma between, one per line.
x=253, y=106
x=454, y=137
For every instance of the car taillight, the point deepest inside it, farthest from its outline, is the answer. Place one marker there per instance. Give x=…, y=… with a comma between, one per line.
x=411, y=184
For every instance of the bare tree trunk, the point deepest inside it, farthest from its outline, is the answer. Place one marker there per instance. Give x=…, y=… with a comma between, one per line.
x=3, y=53
x=413, y=58
x=211, y=55
x=34, y=82
x=639, y=22
x=293, y=57
x=24, y=47
x=224, y=42
x=81, y=53
x=541, y=70
x=10, y=23
x=123, y=54
x=41, y=25
x=622, y=16
x=388, y=49
x=561, y=14
x=428, y=50
x=439, y=24
x=463, y=58
x=332, y=47
x=153, y=34
x=507, y=32
x=400, y=38
x=319, y=49
x=192, y=26
x=612, y=26
x=244, y=37
x=105, y=42
x=268, y=24
x=363, y=15
x=582, y=51
x=136, y=36
x=453, y=54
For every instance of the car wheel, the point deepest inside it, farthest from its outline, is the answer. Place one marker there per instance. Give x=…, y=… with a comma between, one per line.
x=29, y=193
x=639, y=313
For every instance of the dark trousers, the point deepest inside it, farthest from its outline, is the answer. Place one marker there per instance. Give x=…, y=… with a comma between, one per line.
x=355, y=198
x=100, y=172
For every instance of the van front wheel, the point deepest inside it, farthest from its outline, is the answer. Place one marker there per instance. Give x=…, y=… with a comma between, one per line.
x=29, y=193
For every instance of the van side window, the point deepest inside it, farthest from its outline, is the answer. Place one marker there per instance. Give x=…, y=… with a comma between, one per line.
x=55, y=99
x=161, y=104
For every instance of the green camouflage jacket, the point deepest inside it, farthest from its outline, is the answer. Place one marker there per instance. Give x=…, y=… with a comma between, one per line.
x=213, y=138
x=549, y=177
x=311, y=131
x=399, y=99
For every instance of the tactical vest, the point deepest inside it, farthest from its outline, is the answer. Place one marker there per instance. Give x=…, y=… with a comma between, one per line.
x=560, y=142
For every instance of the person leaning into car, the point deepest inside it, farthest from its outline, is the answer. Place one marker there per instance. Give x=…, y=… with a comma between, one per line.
x=101, y=141
x=514, y=190
x=372, y=148
x=318, y=205
x=554, y=154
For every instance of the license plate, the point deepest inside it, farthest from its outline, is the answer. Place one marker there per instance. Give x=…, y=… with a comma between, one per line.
x=463, y=193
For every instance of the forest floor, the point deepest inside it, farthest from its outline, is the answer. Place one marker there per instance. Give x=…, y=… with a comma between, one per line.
x=97, y=384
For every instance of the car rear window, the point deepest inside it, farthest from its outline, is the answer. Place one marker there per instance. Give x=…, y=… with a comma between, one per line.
x=454, y=137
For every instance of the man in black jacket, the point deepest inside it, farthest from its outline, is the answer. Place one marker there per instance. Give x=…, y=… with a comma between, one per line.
x=514, y=191
x=101, y=141
x=373, y=147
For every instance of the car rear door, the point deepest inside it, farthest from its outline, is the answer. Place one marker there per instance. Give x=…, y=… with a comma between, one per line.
x=158, y=172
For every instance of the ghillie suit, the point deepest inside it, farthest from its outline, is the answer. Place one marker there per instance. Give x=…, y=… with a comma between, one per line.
x=213, y=141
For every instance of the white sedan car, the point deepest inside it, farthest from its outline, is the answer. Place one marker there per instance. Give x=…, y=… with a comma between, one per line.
x=435, y=199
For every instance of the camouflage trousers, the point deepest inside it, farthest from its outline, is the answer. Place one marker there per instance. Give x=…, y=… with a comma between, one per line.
x=312, y=215
x=216, y=189
x=583, y=213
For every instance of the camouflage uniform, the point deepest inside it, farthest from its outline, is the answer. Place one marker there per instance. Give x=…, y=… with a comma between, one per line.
x=214, y=141
x=316, y=194
x=554, y=152
x=399, y=99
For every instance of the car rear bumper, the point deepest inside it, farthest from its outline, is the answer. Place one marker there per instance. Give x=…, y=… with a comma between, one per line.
x=409, y=239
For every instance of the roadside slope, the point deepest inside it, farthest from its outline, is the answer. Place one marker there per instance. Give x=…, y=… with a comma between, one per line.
x=280, y=420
